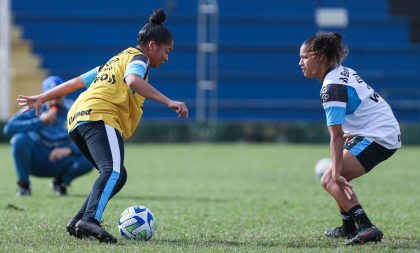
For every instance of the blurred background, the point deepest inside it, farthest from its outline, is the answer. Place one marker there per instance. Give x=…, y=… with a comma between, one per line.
x=235, y=63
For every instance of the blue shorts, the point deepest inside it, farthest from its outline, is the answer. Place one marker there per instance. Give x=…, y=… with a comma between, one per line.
x=369, y=153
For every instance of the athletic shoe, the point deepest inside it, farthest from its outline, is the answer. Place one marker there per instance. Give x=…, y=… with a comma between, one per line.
x=366, y=235
x=24, y=189
x=339, y=232
x=85, y=228
x=71, y=228
x=23, y=192
x=58, y=187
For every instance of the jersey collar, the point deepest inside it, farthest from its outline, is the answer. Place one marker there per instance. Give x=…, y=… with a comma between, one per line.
x=328, y=71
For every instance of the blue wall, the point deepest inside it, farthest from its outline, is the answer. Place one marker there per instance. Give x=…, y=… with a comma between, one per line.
x=259, y=76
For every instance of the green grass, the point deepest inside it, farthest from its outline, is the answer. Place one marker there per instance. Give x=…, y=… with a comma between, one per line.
x=218, y=198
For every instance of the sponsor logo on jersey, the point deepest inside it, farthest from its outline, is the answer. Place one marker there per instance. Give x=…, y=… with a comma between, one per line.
x=78, y=114
x=325, y=97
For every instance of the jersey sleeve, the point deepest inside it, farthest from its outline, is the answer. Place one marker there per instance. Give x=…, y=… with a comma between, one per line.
x=89, y=76
x=137, y=66
x=334, y=99
x=23, y=122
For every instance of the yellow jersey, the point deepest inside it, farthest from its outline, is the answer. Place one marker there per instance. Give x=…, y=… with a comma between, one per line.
x=108, y=98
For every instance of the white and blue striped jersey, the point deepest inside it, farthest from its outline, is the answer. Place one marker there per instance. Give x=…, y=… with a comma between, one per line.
x=349, y=101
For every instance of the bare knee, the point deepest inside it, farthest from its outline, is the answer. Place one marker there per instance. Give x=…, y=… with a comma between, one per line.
x=326, y=181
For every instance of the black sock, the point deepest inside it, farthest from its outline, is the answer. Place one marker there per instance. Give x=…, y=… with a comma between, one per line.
x=360, y=217
x=23, y=184
x=348, y=223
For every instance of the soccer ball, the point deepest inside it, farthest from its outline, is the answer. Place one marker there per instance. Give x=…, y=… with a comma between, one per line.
x=137, y=222
x=321, y=166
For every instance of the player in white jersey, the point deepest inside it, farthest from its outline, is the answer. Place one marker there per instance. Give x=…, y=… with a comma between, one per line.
x=363, y=131
x=349, y=101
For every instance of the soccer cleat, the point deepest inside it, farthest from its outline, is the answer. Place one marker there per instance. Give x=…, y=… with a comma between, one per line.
x=85, y=228
x=339, y=232
x=24, y=189
x=71, y=228
x=366, y=235
x=23, y=192
x=58, y=187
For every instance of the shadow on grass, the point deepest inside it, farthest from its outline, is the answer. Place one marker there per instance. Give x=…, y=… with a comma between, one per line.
x=396, y=243
x=296, y=243
x=228, y=243
x=322, y=242
x=239, y=244
x=158, y=198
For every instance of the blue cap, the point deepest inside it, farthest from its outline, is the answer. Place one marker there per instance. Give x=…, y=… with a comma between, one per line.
x=50, y=82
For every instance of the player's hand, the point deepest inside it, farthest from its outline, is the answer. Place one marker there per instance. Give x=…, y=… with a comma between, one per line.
x=49, y=117
x=180, y=108
x=345, y=186
x=59, y=153
x=30, y=102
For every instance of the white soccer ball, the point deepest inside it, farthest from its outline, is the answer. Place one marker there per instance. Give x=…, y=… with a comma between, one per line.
x=137, y=222
x=321, y=166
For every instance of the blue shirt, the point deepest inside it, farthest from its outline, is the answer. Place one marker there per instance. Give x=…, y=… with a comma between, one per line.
x=52, y=135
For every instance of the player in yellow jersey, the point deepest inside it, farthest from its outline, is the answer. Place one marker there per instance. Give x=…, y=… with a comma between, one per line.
x=107, y=113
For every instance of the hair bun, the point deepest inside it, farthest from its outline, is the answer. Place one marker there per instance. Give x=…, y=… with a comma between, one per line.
x=336, y=36
x=158, y=16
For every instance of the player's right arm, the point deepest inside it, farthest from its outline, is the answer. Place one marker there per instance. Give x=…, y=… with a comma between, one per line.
x=61, y=90
x=334, y=99
x=22, y=122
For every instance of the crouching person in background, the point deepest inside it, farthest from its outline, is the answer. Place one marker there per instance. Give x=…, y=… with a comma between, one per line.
x=41, y=146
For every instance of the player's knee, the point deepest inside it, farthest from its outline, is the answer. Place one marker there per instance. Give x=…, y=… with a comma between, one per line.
x=106, y=168
x=121, y=181
x=326, y=182
x=83, y=164
x=19, y=141
x=123, y=176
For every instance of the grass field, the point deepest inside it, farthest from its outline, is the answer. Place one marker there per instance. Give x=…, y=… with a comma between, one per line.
x=219, y=198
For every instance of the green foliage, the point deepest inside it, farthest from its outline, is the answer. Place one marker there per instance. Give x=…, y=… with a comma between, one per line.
x=270, y=132
x=297, y=132
x=267, y=132
x=219, y=198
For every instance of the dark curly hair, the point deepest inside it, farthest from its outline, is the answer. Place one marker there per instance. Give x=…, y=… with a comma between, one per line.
x=155, y=30
x=328, y=44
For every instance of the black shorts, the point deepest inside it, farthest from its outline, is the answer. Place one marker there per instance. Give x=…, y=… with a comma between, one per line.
x=369, y=153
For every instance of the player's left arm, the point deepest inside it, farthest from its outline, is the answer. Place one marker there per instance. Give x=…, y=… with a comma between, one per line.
x=134, y=77
x=146, y=90
x=22, y=122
